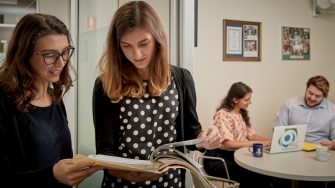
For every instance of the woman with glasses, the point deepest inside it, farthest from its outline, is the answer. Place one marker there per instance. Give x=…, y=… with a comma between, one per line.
x=35, y=139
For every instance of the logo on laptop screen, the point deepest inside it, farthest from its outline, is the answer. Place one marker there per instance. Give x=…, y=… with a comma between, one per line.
x=289, y=139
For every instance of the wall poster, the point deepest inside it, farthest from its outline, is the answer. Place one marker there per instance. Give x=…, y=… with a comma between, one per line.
x=295, y=43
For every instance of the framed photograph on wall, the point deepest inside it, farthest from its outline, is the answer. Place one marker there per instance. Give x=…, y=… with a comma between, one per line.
x=296, y=43
x=241, y=40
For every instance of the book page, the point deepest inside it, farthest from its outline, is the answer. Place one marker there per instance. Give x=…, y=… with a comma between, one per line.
x=115, y=159
x=173, y=158
x=177, y=144
x=202, y=181
x=120, y=163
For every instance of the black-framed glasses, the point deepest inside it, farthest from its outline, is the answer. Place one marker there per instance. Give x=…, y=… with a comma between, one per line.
x=51, y=56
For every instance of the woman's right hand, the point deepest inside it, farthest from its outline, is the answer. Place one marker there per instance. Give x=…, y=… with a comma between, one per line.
x=135, y=176
x=266, y=143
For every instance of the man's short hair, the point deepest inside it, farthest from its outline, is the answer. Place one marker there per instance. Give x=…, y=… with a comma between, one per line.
x=321, y=83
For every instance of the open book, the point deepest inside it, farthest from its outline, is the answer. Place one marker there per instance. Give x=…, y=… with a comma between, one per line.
x=161, y=159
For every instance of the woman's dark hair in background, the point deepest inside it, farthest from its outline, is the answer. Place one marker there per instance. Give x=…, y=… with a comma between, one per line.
x=237, y=91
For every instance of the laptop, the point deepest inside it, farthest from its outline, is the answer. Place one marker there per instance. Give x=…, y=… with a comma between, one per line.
x=287, y=138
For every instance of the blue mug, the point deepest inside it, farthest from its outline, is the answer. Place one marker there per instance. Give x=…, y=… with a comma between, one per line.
x=256, y=150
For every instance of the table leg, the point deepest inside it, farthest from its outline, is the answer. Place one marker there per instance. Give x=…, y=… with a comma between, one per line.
x=295, y=184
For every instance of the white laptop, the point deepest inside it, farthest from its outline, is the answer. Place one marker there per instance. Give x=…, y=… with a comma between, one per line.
x=287, y=138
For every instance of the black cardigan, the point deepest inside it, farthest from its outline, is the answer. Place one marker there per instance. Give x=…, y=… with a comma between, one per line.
x=15, y=150
x=107, y=121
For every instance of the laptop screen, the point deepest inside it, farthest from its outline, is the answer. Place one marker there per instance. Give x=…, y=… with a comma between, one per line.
x=288, y=138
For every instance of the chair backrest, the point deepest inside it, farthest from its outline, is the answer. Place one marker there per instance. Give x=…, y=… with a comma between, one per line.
x=217, y=181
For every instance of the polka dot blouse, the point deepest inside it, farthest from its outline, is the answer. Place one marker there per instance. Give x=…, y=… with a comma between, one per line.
x=147, y=123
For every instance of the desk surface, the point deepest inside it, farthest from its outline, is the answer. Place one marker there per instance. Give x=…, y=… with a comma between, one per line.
x=299, y=165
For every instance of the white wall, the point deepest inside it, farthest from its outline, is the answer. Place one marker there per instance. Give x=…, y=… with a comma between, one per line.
x=272, y=80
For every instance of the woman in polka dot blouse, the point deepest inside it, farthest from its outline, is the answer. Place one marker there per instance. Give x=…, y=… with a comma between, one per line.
x=140, y=101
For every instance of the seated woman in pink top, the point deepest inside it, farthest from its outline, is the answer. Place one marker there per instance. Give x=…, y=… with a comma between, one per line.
x=233, y=122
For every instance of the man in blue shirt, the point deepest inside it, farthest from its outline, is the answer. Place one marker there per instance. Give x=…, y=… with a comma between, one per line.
x=314, y=110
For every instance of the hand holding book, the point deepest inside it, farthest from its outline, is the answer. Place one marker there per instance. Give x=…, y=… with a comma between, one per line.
x=213, y=138
x=161, y=159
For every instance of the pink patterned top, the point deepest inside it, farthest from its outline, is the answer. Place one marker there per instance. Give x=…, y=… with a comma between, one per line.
x=232, y=126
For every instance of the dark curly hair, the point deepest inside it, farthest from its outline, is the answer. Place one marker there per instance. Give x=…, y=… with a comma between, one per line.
x=237, y=91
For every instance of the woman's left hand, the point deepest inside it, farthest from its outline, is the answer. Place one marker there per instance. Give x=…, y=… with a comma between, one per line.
x=214, y=138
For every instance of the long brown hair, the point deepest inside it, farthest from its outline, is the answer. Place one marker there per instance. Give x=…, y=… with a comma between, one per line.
x=16, y=75
x=237, y=91
x=119, y=76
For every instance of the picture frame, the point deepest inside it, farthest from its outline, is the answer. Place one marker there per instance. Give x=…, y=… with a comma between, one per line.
x=242, y=40
x=296, y=43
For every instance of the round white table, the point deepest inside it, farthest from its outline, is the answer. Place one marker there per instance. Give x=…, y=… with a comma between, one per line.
x=298, y=165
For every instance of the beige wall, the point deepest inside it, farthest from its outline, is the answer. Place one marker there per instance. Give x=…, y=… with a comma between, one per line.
x=272, y=80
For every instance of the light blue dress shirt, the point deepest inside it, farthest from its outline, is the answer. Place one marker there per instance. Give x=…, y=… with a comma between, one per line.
x=320, y=119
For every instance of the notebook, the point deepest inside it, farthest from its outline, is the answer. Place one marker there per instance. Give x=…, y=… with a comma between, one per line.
x=287, y=138
x=309, y=146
